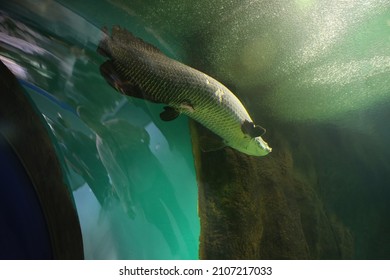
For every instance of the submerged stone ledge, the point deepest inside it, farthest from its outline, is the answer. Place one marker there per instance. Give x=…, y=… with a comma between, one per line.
x=261, y=208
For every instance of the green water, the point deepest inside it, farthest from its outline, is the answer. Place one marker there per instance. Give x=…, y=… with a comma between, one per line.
x=314, y=73
x=131, y=175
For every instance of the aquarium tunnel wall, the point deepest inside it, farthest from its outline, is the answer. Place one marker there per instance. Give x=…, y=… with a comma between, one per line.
x=125, y=184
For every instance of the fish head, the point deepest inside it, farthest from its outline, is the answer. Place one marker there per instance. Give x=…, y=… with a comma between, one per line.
x=256, y=146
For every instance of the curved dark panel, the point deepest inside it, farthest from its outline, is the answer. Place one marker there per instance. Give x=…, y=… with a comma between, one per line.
x=22, y=128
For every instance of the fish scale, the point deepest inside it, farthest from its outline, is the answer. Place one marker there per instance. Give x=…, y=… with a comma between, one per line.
x=139, y=69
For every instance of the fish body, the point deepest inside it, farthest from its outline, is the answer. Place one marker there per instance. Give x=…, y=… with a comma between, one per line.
x=139, y=69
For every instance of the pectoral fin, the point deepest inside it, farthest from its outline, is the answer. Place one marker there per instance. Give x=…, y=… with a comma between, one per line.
x=252, y=130
x=211, y=144
x=208, y=140
x=169, y=114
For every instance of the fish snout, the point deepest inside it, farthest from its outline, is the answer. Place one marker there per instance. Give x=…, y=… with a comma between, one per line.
x=263, y=147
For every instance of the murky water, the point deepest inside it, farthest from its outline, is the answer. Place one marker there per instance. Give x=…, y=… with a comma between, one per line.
x=314, y=73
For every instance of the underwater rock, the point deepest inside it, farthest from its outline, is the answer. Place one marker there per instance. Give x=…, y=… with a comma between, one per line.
x=261, y=208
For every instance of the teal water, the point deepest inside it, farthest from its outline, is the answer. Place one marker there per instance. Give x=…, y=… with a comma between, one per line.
x=314, y=73
x=134, y=190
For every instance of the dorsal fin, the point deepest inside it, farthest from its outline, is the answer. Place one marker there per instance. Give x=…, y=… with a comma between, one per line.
x=124, y=36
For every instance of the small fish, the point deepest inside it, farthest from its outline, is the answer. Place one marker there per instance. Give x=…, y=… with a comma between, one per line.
x=136, y=68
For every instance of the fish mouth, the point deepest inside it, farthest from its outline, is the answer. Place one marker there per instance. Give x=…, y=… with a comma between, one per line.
x=264, y=145
x=256, y=147
x=267, y=148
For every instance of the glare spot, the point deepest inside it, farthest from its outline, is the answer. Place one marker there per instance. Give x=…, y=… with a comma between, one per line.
x=15, y=68
x=219, y=94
